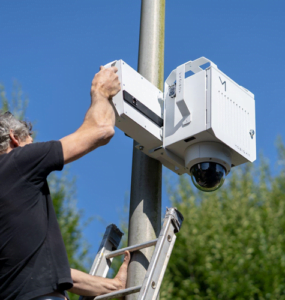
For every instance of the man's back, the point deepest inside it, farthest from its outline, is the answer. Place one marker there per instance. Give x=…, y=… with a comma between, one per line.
x=33, y=259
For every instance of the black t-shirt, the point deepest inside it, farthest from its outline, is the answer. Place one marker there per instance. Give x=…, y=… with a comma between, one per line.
x=33, y=259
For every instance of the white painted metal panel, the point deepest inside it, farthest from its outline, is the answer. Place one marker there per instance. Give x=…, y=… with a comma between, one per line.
x=232, y=114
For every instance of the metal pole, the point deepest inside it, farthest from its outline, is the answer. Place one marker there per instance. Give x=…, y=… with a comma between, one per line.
x=145, y=204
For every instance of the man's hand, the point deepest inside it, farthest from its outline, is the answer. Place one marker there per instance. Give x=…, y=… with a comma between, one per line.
x=121, y=277
x=106, y=83
x=88, y=285
x=98, y=126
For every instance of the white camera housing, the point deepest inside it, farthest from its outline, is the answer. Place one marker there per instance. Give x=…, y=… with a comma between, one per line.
x=205, y=117
x=139, y=107
x=208, y=107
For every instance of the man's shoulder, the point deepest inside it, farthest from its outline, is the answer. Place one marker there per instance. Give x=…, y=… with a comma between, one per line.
x=37, y=147
x=35, y=158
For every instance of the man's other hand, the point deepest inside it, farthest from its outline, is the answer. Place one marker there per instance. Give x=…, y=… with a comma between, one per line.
x=88, y=285
x=122, y=274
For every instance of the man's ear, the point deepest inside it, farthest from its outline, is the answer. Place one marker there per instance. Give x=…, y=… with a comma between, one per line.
x=14, y=140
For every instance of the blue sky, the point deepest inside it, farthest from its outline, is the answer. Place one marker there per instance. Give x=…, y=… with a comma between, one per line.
x=54, y=48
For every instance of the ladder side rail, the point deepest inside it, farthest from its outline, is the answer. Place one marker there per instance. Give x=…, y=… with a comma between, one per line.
x=159, y=273
x=155, y=281
x=154, y=275
x=153, y=263
x=102, y=265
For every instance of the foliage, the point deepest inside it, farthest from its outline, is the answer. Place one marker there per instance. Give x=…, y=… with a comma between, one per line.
x=63, y=195
x=62, y=190
x=17, y=104
x=232, y=242
x=117, y=261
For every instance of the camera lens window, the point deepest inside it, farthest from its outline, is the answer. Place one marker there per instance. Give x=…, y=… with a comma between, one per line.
x=208, y=176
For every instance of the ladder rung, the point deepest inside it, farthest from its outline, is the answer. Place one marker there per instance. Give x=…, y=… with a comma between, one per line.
x=119, y=293
x=131, y=248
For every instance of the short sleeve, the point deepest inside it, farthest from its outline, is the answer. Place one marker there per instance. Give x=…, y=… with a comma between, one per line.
x=36, y=161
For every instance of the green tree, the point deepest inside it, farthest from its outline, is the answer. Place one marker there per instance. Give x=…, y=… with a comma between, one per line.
x=63, y=192
x=232, y=241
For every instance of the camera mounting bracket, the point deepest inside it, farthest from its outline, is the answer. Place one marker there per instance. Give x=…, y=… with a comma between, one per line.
x=176, y=79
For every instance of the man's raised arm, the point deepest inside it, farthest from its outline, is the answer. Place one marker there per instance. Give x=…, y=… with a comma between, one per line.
x=98, y=125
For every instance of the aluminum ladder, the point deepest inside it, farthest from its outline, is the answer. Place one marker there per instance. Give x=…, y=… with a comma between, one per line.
x=164, y=244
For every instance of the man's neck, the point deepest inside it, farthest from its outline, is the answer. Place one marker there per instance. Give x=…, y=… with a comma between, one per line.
x=8, y=150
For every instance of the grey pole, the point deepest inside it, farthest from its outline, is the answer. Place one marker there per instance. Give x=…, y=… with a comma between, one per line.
x=145, y=204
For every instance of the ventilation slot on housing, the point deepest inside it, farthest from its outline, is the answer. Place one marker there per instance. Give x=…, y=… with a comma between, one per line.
x=230, y=114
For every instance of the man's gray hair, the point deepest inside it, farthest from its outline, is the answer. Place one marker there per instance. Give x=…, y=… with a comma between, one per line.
x=8, y=122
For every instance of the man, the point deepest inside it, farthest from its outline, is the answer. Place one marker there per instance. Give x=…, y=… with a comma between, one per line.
x=33, y=260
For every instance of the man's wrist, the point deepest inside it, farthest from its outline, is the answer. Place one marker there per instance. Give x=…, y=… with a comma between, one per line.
x=117, y=283
x=98, y=93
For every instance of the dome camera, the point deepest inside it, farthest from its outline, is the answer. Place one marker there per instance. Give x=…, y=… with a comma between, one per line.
x=209, y=163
